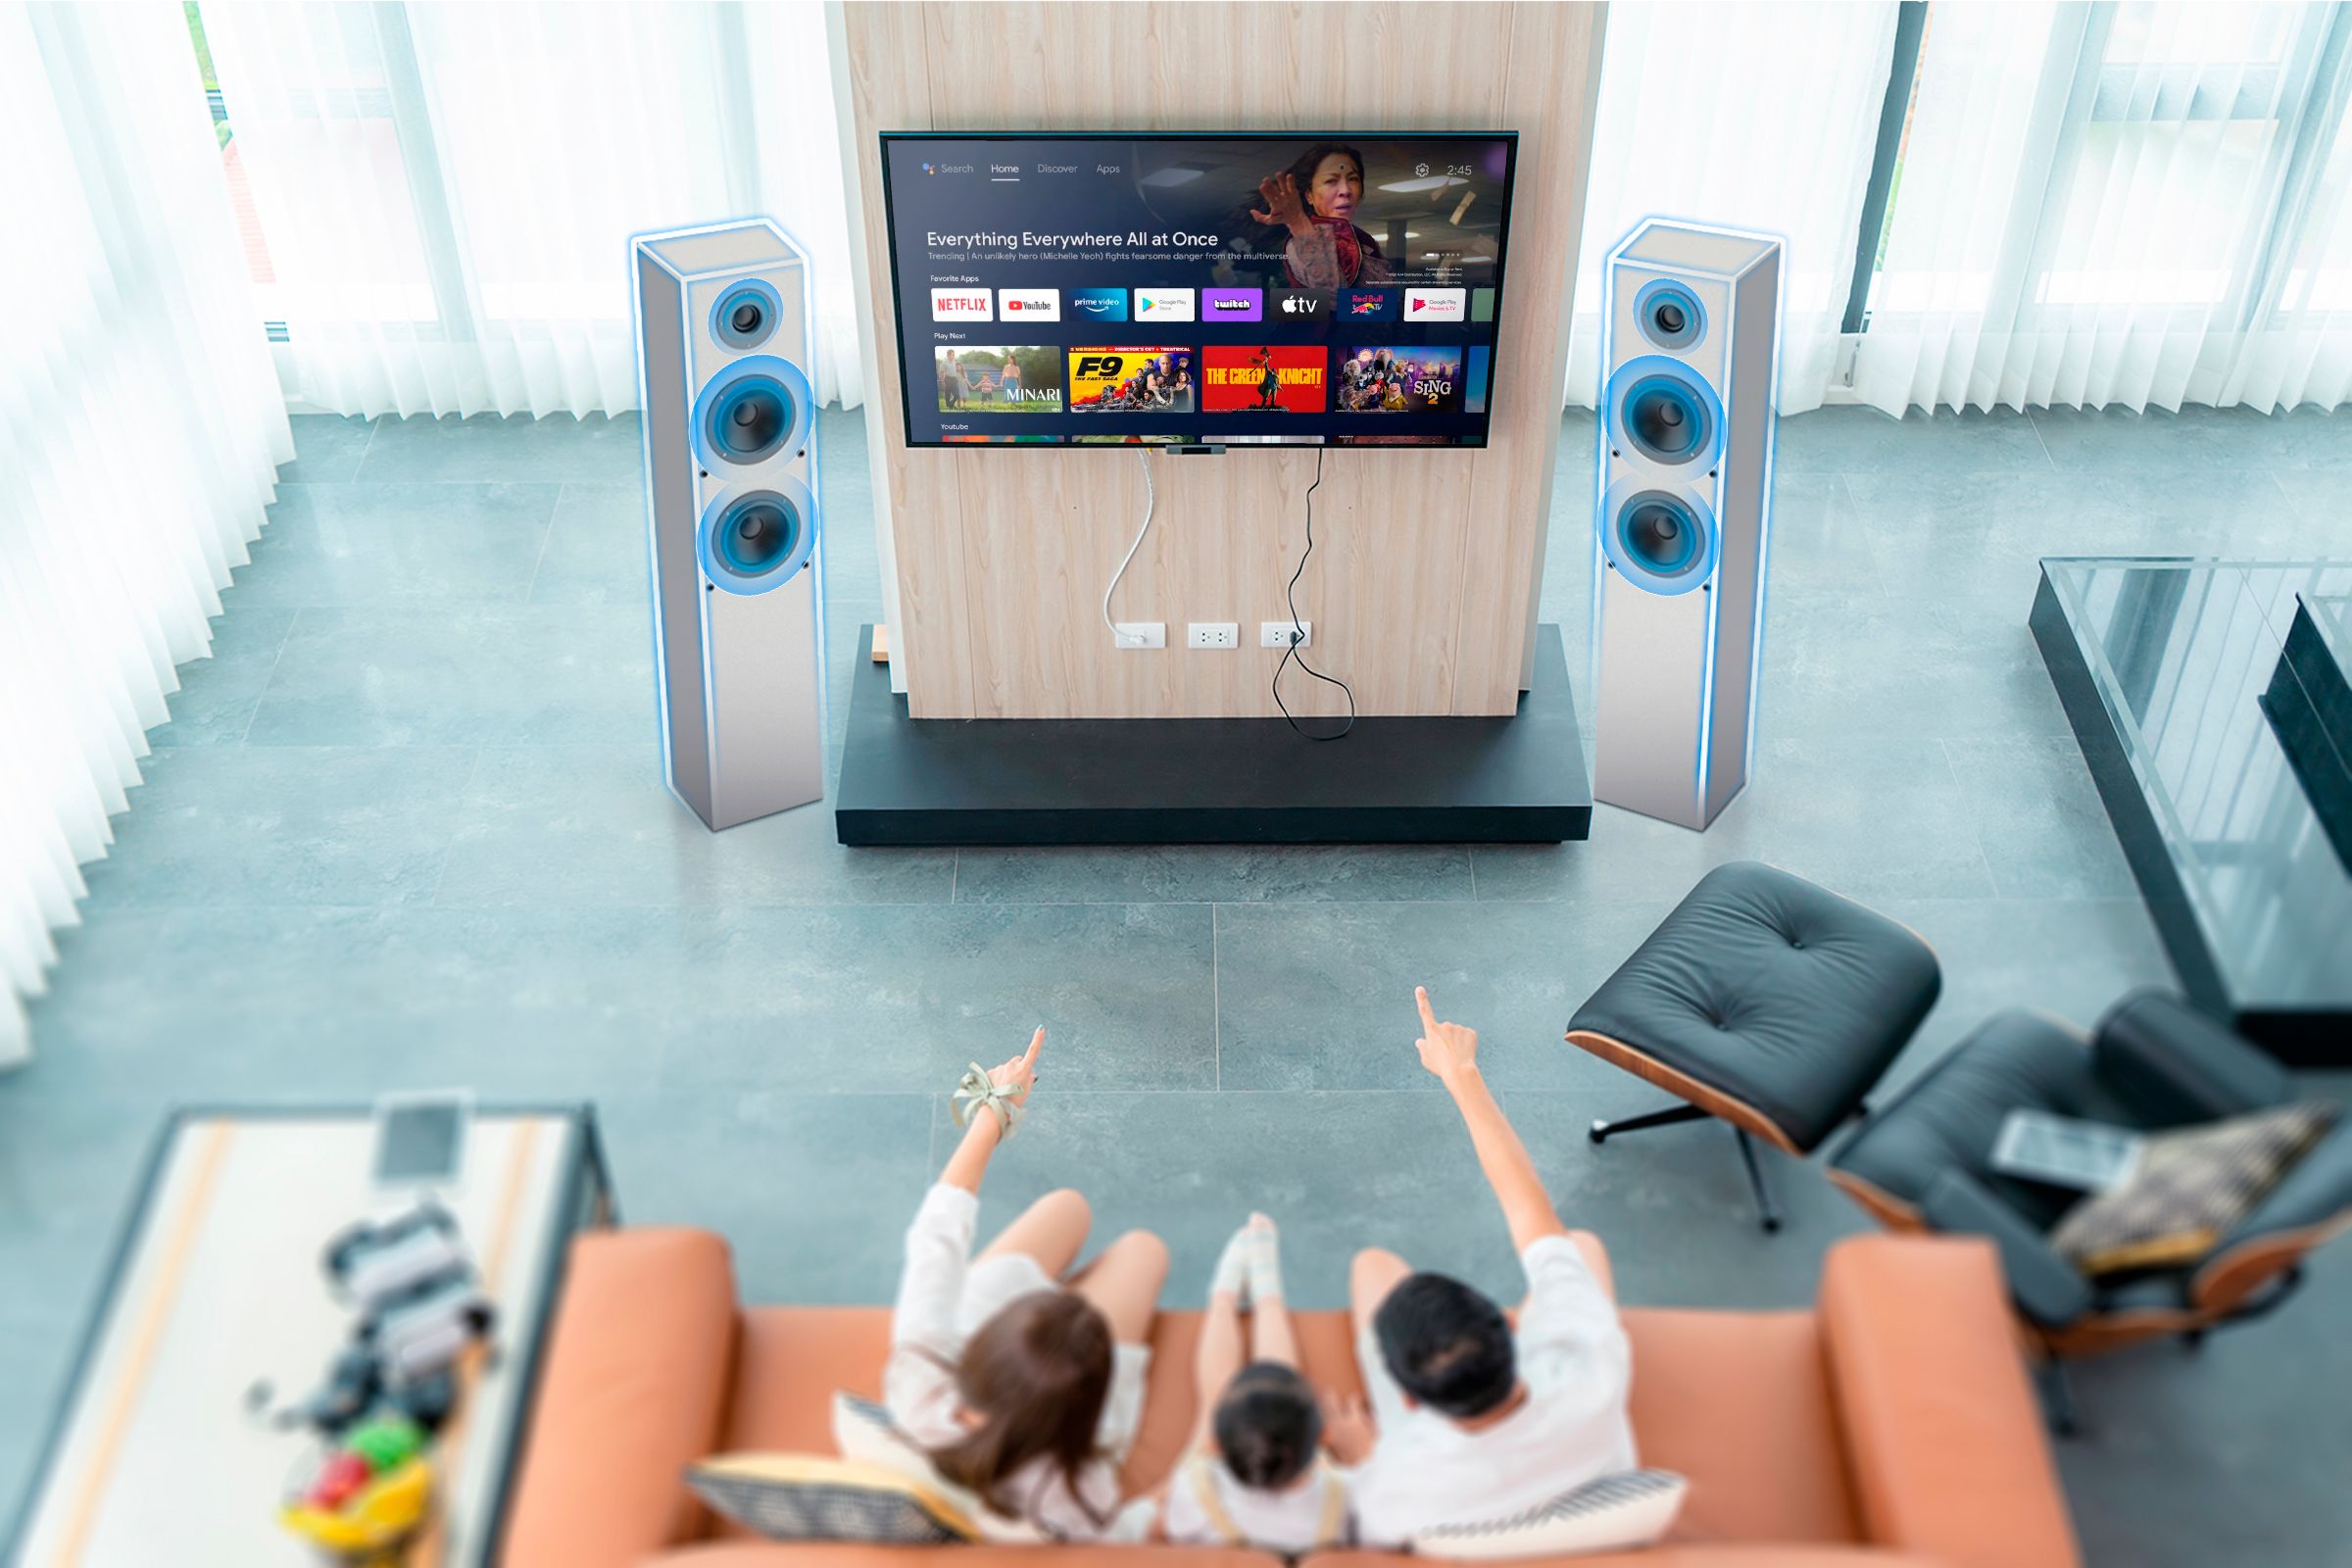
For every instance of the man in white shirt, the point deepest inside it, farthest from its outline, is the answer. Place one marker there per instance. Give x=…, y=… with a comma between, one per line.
x=1475, y=1424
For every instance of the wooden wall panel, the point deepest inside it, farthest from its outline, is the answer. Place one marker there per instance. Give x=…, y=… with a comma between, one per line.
x=1421, y=585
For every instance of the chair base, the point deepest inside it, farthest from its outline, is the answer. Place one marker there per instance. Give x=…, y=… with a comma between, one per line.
x=1768, y=1213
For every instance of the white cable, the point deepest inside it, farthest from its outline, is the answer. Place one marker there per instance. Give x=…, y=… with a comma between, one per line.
x=1143, y=455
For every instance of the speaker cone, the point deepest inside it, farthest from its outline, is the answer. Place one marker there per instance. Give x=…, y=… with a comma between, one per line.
x=745, y=314
x=749, y=421
x=1669, y=313
x=1660, y=539
x=758, y=533
x=1666, y=421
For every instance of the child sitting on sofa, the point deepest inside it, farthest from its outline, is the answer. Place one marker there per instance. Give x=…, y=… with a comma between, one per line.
x=1257, y=1475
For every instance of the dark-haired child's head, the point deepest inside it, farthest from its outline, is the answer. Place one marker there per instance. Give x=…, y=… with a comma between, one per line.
x=1447, y=1345
x=1268, y=1426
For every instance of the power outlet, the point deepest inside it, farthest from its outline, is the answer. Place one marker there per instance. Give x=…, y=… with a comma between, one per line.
x=1141, y=634
x=1214, y=634
x=1277, y=633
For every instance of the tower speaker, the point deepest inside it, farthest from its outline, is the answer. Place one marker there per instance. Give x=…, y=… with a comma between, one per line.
x=730, y=425
x=1691, y=320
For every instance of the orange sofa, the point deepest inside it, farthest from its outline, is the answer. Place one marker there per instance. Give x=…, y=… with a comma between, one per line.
x=1890, y=1424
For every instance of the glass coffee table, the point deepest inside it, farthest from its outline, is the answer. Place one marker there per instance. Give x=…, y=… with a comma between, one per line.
x=157, y=1454
x=2216, y=754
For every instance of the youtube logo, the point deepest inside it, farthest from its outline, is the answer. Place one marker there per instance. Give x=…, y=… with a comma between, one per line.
x=1029, y=303
x=1436, y=304
x=962, y=304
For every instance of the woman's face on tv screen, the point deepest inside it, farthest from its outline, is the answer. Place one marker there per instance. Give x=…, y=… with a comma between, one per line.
x=1337, y=187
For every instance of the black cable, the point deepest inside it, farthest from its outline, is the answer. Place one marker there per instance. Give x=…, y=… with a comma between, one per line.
x=1299, y=630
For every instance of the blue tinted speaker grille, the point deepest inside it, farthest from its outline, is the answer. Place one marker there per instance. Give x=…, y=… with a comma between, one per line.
x=1660, y=540
x=756, y=540
x=1669, y=313
x=746, y=314
x=754, y=409
x=1664, y=412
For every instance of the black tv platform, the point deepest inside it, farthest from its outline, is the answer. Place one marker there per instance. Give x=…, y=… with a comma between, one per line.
x=1019, y=781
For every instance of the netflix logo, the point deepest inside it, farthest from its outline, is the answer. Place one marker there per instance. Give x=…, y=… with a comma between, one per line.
x=962, y=304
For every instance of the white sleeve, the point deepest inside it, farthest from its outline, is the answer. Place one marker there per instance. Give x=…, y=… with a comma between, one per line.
x=1569, y=1332
x=918, y=1383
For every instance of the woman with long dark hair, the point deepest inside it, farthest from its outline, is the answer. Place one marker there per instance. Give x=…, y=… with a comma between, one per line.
x=1025, y=1390
x=1315, y=201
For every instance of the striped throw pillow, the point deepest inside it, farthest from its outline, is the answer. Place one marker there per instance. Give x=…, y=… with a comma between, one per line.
x=808, y=1497
x=2191, y=1185
x=1615, y=1513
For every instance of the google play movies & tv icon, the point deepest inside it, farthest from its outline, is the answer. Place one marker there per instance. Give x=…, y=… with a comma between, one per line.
x=1309, y=289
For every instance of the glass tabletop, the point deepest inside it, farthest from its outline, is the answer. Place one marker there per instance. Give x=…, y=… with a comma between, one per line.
x=2184, y=655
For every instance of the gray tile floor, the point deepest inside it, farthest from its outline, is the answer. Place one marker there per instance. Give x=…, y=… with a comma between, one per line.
x=405, y=829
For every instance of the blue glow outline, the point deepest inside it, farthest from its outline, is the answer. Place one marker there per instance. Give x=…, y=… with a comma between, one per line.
x=1602, y=519
x=642, y=243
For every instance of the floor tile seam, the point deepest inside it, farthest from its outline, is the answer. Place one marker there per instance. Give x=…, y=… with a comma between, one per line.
x=276, y=658
x=1976, y=832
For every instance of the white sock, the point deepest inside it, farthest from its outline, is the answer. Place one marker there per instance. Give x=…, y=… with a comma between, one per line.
x=1233, y=1275
x=1265, y=1258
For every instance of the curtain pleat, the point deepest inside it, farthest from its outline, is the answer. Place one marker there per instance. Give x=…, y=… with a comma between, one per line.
x=448, y=190
x=1759, y=117
x=140, y=428
x=2088, y=195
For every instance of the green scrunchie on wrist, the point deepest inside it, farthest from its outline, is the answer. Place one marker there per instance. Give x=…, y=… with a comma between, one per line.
x=974, y=1090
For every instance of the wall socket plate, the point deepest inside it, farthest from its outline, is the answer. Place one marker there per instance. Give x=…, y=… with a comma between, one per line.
x=1277, y=634
x=1141, y=634
x=1213, y=634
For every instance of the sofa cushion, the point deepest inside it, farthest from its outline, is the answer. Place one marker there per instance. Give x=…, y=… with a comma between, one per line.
x=1765, y=1000
x=1741, y=1403
x=636, y=1374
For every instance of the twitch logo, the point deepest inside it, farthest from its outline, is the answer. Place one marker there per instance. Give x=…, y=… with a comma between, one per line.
x=1300, y=305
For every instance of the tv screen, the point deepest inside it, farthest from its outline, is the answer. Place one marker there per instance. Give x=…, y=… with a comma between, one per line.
x=1297, y=289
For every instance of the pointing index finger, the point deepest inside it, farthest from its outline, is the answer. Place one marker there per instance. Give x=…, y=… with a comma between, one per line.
x=1429, y=1019
x=1037, y=1042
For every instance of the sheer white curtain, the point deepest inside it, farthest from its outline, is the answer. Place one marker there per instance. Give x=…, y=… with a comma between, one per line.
x=2125, y=204
x=140, y=427
x=447, y=190
x=1754, y=116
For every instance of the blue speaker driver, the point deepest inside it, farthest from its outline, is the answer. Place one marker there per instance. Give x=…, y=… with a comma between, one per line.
x=1669, y=313
x=745, y=313
x=1661, y=538
x=1663, y=412
x=750, y=412
x=752, y=541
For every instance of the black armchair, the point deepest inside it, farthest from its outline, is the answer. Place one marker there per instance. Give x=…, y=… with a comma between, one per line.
x=1923, y=1162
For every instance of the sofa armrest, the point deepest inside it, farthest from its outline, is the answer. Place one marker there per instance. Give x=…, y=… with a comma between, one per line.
x=633, y=1387
x=2180, y=1066
x=1944, y=1440
x=2047, y=1287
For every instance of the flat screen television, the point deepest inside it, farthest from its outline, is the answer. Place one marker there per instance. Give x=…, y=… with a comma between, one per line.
x=1195, y=289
